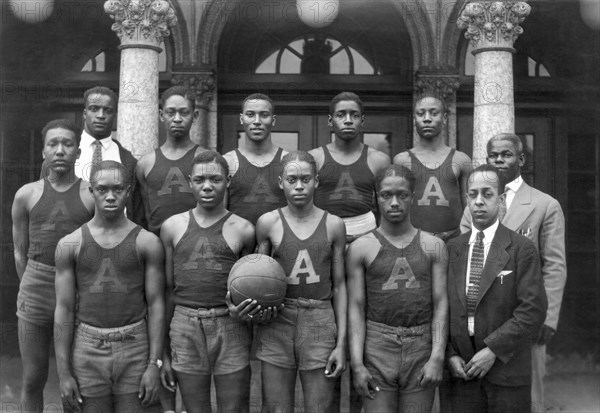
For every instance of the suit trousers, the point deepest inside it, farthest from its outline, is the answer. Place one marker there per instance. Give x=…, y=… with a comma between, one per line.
x=482, y=396
x=538, y=371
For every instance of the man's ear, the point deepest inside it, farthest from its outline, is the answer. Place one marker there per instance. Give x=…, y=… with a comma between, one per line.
x=280, y=182
x=445, y=118
x=241, y=118
x=196, y=115
x=521, y=160
x=160, y=115
x=274, y=119
x=329, y=121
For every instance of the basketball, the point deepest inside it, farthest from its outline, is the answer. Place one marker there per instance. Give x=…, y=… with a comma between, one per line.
x=259, y=277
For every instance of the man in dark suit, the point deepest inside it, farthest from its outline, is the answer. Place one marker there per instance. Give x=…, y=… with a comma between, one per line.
x=539, y=217
x=497, y=306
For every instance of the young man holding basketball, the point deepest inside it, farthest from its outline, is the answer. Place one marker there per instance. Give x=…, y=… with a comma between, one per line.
x=255, y=166
x=110, y=281
x=42, y=213
x=207, y=339
x=309, y=334
x=397, y=305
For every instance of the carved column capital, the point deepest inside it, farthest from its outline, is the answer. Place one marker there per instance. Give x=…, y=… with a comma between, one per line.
x=141, y=23
x=442, y=85
x=203, y=84
x=493, y=25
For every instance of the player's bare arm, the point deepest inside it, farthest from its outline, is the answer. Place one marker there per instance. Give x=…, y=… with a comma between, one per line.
x=27, y=196
x=464, y=163
x=336, y=232
x=377, y=160
x=64, y=314
x=403, y=158
x=319, y=156
x=151, y=252
x=435, y=248
x=355, y=270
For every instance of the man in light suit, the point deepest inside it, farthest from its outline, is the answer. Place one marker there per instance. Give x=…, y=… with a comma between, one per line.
x=539, y=217
x=497, y=305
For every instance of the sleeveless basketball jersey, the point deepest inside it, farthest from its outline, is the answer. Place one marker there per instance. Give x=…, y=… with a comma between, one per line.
x=167, y=186
x=436, y=205
x=55, y=215
x=110, y=282
x=398, y=285
x=345, y=190
x=202, y=260
x=255, y=190
x=307, y=263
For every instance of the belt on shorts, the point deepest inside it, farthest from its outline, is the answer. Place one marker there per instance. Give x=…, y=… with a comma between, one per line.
x=202, y=312
x=400, y=331
x=112, y=334
x=307, y=302
x=446, y=235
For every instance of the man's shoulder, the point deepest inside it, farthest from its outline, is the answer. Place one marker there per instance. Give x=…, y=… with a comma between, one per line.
x=378, y=159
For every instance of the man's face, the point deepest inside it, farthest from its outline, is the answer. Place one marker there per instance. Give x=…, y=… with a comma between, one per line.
x=394, y=199
x=60, y=150
x=298, y=182
x=178, y=116
x=347, y=120
x=98, y=115
x=110, y=192
x=483, y=198
x=258, y=119
x=429, y=117
x=504, y=155
x=209, y=184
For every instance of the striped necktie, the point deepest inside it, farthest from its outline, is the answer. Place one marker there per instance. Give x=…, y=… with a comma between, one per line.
x=97, y=155
x=476, y=269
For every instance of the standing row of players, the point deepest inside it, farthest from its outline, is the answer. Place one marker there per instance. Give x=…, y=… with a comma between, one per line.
x=213, y=203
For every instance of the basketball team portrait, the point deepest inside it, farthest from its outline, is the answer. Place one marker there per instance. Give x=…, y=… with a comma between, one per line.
x=300, y=206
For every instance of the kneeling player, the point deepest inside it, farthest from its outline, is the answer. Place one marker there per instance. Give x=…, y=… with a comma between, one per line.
x=201, y=246
x=309, y=244
x=113, y=269
x=397, y=277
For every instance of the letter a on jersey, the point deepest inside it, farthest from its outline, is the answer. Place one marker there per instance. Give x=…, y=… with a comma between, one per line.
x=401, y=271
x=106, y=279
x=203, y=253
x=303, y=265
x=57, y=216
x=345, y=189
x=261, y=192
x=174, y=178
x=433, y=189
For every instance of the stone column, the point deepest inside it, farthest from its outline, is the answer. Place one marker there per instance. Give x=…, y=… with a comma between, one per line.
x=141, y=26
x=445, y=86
x=203, y=84
x=492, y=27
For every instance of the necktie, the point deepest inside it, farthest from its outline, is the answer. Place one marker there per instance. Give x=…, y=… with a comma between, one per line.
x=97, y=155
x=476, y=269
x=503, y=208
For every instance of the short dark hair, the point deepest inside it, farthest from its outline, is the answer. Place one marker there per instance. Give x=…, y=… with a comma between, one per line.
x=299, y=156
x=431, y=94
x=396, y=170
x=62, y=124
x=511, y=137
x=178, y=91
x=351, y=96
x=212, y=156
x=109, y=166
x=259, y=96
x=486, y=169
x=100, y=90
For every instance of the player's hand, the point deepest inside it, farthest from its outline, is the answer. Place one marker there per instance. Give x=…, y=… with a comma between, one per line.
x=481, y=363
x=336, y=363
x=167, y=377
x=148, y=392
x=430, y=375
x=457, y=368
x=364, y=383
x=245, y=311
x=69, y=391
x=545, y=334
x=268, y=314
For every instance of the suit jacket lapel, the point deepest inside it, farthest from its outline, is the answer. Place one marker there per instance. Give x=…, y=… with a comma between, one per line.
x=520, y=208
x=495, y=261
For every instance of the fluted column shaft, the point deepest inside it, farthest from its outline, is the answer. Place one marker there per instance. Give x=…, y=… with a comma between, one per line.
x=492, y=27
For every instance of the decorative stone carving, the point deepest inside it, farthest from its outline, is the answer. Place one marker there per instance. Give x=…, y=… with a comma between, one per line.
x=141, y=22
x=493, y=23
x=444, y=86
x=203, y=84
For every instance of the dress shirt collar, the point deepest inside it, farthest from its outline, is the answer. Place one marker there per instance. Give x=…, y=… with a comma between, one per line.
x=87, y=140
x=514, y=185
x=488, y=233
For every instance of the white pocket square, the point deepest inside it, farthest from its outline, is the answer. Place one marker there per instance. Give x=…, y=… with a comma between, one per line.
x=503, y=273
